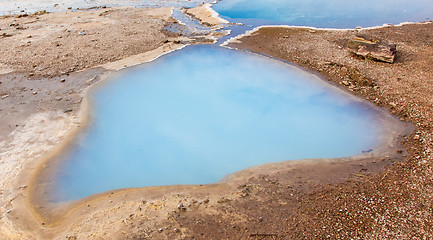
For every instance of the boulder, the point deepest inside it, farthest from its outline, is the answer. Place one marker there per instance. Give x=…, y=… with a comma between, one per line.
x=371, y=48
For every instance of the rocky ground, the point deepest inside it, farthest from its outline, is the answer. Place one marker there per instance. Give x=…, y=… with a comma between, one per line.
x=48, y=62
x=394, y=203
x=391, y=204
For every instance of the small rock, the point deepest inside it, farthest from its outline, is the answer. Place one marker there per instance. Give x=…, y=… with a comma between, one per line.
x=176, y=230
x=82, y=33
x=62, y=80
x=181, y=207
x=160, y=230
x=34, y=93
x=67, y=110
x=4, y=35
x=372, y=48
x=5, y=96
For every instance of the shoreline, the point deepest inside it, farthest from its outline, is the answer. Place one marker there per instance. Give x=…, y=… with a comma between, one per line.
x=227, y=201
x=60, y=212
x=18, y=202
x=396, y=87
x=256, y=29
x=387, y=146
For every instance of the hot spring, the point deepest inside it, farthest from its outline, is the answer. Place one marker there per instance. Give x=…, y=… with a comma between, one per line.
x=196, y=115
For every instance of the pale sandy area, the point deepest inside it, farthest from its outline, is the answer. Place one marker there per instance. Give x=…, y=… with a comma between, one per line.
x=48, y=63
x=25, y=6
x=206, y=15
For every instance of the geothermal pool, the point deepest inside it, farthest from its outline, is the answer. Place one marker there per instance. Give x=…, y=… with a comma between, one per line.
x=198, y=114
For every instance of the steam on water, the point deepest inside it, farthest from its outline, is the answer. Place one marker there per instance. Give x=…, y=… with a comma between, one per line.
x=203, y=112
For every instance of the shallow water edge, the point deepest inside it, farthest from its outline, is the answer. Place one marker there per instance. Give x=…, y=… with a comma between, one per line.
x=52, y=214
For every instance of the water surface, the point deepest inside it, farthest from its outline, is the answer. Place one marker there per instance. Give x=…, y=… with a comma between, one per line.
x=198, y=114
x=325, y=13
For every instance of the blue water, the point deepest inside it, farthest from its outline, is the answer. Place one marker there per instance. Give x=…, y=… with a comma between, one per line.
x=325, y=13
x=198, y=114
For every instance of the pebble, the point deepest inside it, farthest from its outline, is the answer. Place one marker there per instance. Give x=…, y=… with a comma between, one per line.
x=181, y=207
x=82, y=33
x=62, y=80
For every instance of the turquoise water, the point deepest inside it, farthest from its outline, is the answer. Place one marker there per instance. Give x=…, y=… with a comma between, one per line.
x=325, y=13
x=195, y=115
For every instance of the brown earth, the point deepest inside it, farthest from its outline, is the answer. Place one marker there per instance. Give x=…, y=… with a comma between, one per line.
x=42, y=54
x=368, y=196
x=322, y=200
x=53, y=44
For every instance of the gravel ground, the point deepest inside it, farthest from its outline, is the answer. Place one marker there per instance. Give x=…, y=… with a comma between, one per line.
x=48, y=61
x=393, y=202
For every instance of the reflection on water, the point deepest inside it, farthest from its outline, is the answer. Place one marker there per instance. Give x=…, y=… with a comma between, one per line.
x=201, y=113
x=325, y=13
